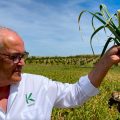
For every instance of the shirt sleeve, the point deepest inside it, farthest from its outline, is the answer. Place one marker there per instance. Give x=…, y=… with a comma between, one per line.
x=71, y=95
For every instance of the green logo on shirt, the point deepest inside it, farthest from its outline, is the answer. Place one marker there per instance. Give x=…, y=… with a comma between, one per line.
x=29, y=98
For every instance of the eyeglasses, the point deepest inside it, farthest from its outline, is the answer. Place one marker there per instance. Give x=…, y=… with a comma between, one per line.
x=16, y=57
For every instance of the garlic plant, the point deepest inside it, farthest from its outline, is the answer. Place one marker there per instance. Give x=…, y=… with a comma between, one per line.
x=108, y=22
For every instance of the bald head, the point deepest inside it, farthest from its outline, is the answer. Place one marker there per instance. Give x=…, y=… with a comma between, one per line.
x=9, y=39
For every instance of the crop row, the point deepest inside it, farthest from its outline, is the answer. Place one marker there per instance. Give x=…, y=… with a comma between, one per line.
x=71, y=60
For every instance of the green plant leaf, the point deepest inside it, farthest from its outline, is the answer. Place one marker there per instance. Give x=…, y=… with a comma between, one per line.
x=96, y=31
x=107, y=20
x=80, y=17
x=104, y=11
x=106, y=45
x=97, y=13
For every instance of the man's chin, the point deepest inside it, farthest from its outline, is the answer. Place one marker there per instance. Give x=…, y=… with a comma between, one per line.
x=16, y=77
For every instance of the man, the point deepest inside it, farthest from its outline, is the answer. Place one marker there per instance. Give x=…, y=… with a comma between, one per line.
x=32, y=97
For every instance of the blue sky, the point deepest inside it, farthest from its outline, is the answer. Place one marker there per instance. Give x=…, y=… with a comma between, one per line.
x=50, y=27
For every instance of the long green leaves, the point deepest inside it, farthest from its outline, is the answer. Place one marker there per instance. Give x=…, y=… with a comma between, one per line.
x=108, y=22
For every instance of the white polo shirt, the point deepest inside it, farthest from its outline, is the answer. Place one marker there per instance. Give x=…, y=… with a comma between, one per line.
x=35, y=96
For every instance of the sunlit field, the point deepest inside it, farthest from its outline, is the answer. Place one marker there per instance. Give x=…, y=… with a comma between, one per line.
x=97, y=107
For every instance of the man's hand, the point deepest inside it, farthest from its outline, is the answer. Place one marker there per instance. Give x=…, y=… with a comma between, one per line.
x=112, y=56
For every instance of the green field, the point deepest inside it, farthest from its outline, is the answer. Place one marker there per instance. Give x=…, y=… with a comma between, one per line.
x=97, y=107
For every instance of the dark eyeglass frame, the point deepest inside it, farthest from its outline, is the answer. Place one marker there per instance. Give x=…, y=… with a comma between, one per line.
x=16, y=57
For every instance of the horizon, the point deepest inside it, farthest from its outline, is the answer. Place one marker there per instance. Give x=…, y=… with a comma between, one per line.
x=67, y=56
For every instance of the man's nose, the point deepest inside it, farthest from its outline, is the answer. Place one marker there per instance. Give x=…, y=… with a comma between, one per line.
x=21, y=62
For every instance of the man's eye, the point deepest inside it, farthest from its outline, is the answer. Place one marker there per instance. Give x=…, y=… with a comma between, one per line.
x=13, y=57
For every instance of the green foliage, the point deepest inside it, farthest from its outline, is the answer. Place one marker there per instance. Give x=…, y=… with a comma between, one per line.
x=81, y=60
x=95, y=108
x=108, y=22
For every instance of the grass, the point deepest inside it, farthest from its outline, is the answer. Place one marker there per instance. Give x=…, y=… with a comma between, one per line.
x=94, y=109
